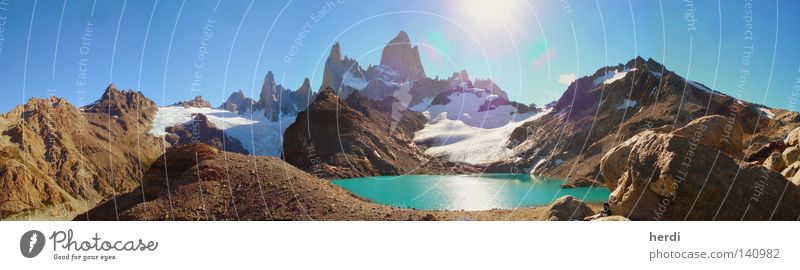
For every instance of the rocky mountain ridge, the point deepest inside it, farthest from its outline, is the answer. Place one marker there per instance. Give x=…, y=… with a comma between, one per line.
x=59, y=160
x=338, y=138
x=601, y=111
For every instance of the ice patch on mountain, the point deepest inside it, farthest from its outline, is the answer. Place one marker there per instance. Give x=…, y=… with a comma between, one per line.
x=357, y=83
x=767, y=112
x=612, y=76
x=464, y=106
x=627, y=103
x=460, y=142
x=258, y=135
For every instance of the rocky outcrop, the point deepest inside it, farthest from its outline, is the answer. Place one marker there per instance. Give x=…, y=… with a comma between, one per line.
x=345, y=139
x=303, y=95
x=200, y=129
x=669, y=176
x=491, y=87
x=400, y=56
x=775, y=162
x=612, y=218
x=276, y=100
x=785, y=159
x=715, y=131
x=426, y=89
x=337, y=68
x=57, y=160
x=567, y=208
x=597, y=113
x=765, y=151
x=196, y=102
x=238, y=103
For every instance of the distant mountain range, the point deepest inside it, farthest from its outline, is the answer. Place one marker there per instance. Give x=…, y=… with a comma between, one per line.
x=629, y=127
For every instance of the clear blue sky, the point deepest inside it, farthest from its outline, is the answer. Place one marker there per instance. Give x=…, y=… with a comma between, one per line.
x=524, y=46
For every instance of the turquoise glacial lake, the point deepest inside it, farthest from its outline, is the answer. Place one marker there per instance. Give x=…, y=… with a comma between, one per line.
x=466, y=192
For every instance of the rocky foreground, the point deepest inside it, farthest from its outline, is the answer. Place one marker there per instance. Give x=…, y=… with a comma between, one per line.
x=199, y=182
x=696, y=173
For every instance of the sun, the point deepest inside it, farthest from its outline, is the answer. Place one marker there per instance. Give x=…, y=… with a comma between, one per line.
x=488, y=15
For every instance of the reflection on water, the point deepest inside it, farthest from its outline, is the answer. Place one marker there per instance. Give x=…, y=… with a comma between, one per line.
x=462, y=192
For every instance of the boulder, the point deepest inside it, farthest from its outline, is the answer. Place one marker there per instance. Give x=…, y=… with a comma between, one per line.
x=613, y=164
x=567, y=208
x=762, y=153
x=791, y=154
x=672, y=178
x=775, y=162
x=793, y=137
x=791, y=170
x=612, y=218
x=715, y=131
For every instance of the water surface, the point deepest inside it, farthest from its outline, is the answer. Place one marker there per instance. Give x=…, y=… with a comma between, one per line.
x=466, y=192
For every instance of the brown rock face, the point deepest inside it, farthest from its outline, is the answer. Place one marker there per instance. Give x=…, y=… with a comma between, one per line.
x=612, y=218
x=715, y=131
x=335, y=69
x=58, y=160
x=196, y=102
x=791, y=154
x=670, y=177
x=567, y=208
x=199, y=182
x=276, y=100
x=615, y=162
x=345, y=139
x=592, y=117
x=200, y=129
x=712, y=131
x=399, y=55
x=238, y=103
x=775, y=162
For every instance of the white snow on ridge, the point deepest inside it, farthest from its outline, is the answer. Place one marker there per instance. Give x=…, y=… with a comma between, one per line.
x=612, y=76
x=767, y=112
x=464, y=107
x=627, y=103
x=357, y=83
x=458, y=141
x=656, y=73
x=258, y=135
x=175, y=115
